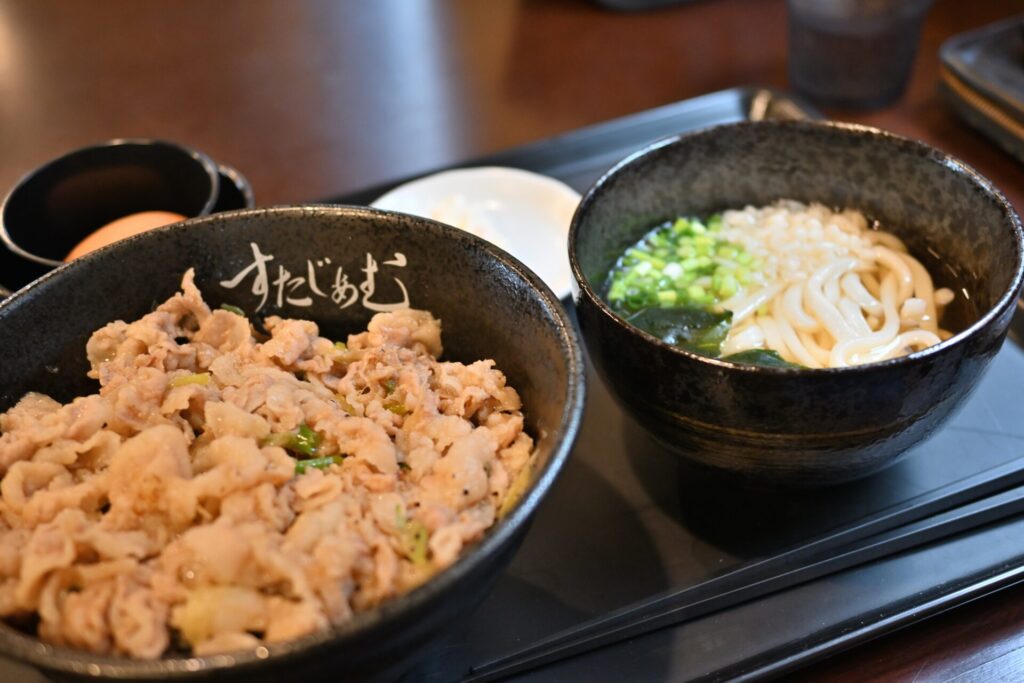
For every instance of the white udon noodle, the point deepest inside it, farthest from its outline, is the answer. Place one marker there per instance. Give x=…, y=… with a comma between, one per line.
x=831, y=292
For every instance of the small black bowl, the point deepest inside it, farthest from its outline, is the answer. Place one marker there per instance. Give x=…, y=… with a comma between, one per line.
x=235, y=191
x=54, y=207
x=40, y=216
x=17, y=271
x=786, y=426
x=490, y=305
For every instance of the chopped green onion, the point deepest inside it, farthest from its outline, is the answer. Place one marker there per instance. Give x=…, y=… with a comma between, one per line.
x=302, y=466
x=412, y=536
x=396, y=408
x=303, y=441
x=201, y=378
x=389, y=386
x=232, y=309
x=728, y=287
x=345, y=405
x=667, y=297
x=413, y=540
x=681, y=263
x=307, y=441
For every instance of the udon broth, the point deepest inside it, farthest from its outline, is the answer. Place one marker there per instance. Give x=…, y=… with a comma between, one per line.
x=786, y=285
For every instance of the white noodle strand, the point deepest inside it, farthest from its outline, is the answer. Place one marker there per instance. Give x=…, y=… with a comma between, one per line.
x=854, y=288
x=794, y=310
x=827, y=290
x=799, y=352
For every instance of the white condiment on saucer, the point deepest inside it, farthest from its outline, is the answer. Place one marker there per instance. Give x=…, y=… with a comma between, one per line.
x=524, y=213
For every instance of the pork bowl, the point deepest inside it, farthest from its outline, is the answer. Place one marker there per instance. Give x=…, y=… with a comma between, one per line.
x=296, y=441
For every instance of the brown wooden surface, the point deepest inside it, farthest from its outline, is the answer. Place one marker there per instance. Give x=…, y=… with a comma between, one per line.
x=310, y=99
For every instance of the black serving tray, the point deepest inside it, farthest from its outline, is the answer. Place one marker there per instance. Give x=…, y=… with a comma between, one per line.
x=982, y=79
x=627, y=520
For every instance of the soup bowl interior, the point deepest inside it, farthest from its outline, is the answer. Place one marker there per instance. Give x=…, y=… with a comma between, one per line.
x=800, y=426
x=336, y=266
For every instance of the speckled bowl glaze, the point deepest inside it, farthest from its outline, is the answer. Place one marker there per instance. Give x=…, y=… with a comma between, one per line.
x=786, y=426
x=490, y=305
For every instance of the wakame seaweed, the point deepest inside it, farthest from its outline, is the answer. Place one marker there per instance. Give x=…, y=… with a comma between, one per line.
x=695, y=329
x=768, y=358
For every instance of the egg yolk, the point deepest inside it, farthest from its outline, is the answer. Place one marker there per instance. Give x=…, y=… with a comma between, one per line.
x=123, y=227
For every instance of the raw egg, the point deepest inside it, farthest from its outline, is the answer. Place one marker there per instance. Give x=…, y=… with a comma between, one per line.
x=123, y=227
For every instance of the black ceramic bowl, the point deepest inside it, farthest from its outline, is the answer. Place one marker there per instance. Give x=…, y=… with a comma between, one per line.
x=803, y=427
x=64, y=200
x=55, y=206
x=490, y=305
x=235, y=192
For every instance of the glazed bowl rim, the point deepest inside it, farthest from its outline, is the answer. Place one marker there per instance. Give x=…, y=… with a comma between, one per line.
x=1006, y=300
x=33, y=651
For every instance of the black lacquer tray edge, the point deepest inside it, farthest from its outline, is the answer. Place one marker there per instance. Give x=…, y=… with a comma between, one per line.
x=976, y=588
x=759, y=102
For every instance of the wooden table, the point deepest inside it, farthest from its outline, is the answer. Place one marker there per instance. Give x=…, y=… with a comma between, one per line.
x=315, y=98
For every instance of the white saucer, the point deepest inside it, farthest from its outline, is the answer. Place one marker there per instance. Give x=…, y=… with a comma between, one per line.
x=524, y=213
